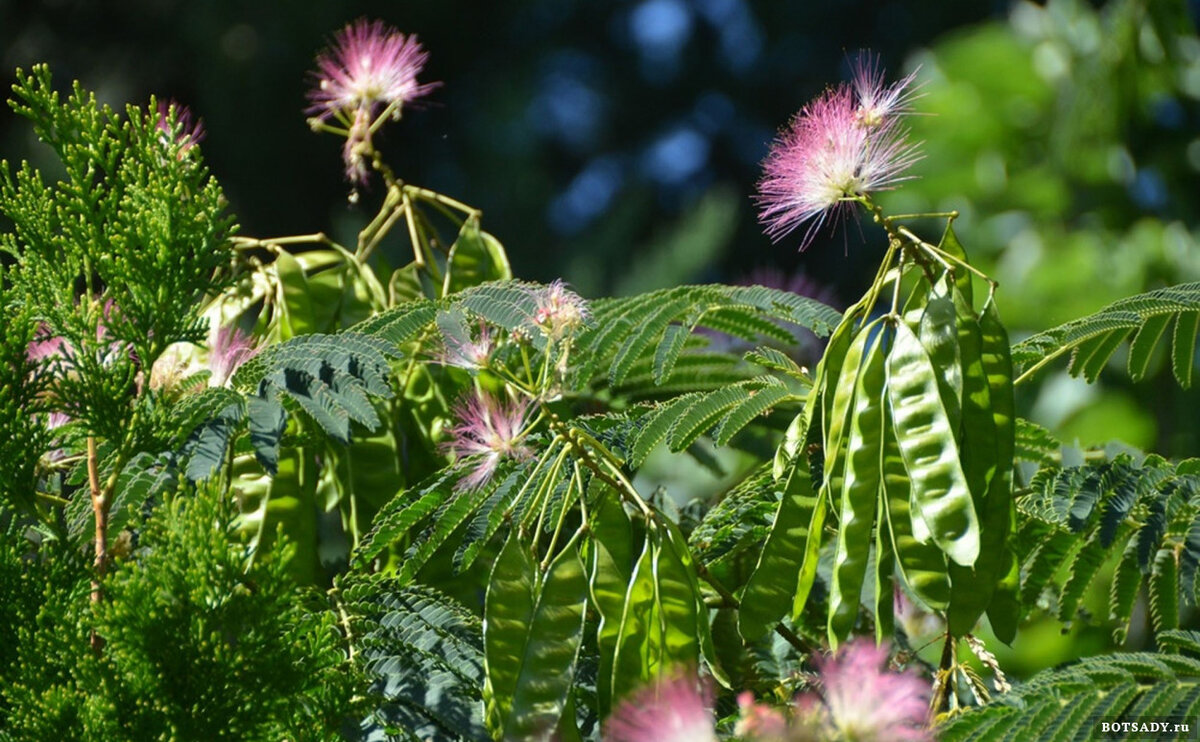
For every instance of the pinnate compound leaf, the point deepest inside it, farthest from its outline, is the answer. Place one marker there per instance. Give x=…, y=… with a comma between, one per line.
x=1064, y=703
x=424, y=654
x=1092, y=340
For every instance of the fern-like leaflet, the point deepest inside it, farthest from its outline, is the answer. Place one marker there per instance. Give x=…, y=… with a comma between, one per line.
x=1092, y=340
x=1145, y=517
x=1065, y=703
x=424, y=654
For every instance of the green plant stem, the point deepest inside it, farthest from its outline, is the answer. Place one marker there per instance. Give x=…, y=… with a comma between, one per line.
x=614, y=477
x=335, y=594
x=562, y=516
x=420, y=245
x=428, y=195
x=246, y=243
x=942, y=256
x=729, y=600
x=100, y=514
x=925, y=215
x=541, y=498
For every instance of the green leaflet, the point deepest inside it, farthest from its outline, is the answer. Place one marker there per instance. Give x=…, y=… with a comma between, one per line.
x=1144, y=343
x=475, y=257
x=1164, y=590
x=780, y=565
x=648, y=332
x=1183, y=347
x=860, y=490
x=928, y=449
x=532, y=628
x=1064, y=702
x=1091, y=340
x=659, y=620
x=610, y=559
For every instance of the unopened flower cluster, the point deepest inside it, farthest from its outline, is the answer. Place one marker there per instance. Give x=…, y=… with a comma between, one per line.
x=844, y=145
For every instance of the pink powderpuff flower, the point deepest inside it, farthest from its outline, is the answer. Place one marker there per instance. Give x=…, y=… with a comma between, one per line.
x=46, y=346
x=371, y=65
x=490, y=429
x=560, y=311
x=468, y=354
x=757, y=721
x=830, y=154
x=674, y=709
x=861, y=700
x=230, y=349
x=877, y=101
x=186, y=131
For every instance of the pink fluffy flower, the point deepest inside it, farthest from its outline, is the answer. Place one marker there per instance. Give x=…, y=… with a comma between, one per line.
x=861, y=700
x=467, y=353
x=491, y=430
x=877, y=101
x=835, y=150
x=560, y=311
x=230, y=349
x=371, y=65
x=185, y=132
x=758, y=722
x=672, y=710
x=46, y=346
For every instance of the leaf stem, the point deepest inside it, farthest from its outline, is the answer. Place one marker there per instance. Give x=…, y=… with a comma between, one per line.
x=729, y=600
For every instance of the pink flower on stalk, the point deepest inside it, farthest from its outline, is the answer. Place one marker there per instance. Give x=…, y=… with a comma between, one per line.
x=46, y=346
x=186, y=132
x=469, y=354
x=877, y=101
x=839, y=147
x=560, y=311
x=230, y=349
x=490, y=429
x=370, y=65
x=672, y=710
x=861, y=700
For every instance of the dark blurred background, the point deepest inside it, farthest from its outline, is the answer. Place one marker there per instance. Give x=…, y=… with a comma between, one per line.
x=596, y=136
x=617, y=144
